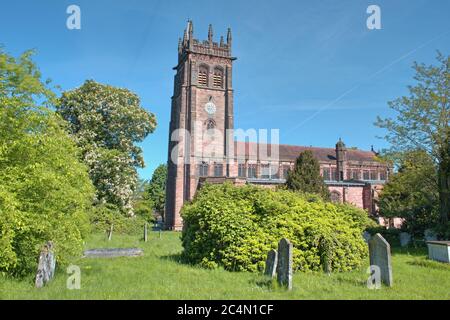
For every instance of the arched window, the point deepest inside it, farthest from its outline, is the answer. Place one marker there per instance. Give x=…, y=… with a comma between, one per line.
x=335, y=197
x=218, y=77
x=203, y=72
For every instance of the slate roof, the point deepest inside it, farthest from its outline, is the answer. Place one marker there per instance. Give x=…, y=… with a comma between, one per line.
x=290, y=152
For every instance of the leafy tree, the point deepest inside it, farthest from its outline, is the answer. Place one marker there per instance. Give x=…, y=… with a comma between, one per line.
x=143, y=205
x=106, y=123
x=305, y=176
x=45, y=191
x=157, y=188
x=423, y=122
x=412, y=192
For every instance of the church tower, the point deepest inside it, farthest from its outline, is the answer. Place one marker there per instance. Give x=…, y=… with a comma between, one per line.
x=201, y=112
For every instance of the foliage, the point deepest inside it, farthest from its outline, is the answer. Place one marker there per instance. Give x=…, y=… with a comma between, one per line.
x=305, y=176
x=235, y=227
x=416, y=277
x=45, y=191
x=105, y=215
x=106, y=122
x=423, y=122
x=143, y=206
x=412, y=192
x=392, y=235
x=157, y=188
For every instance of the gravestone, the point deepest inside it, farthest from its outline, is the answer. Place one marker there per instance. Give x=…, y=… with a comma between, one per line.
x=46, y=265
x=113, y=253
x=405, y=239
x=110, y=232
x=284, y=264
x=271, y=263
x=430, y=235
x=380, y=255
x=367, y=236
x=439, y=251
x=145, y=232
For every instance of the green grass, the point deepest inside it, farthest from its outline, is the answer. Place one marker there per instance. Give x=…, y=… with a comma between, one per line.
x=158, y=275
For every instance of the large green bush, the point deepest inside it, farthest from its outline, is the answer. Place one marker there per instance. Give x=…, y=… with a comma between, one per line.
x=45, y=191
x=235, y=227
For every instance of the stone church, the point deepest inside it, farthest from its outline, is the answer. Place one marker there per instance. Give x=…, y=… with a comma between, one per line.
x=202, y=119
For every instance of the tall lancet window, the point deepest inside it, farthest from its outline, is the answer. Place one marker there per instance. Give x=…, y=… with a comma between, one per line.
x=218, y=77
x=203, y=75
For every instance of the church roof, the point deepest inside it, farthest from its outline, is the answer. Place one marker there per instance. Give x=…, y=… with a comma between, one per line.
x=290, y=152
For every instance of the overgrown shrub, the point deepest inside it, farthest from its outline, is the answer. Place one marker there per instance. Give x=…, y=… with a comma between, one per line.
x=105, y=215
x=235, y=227
x=45, y=191
x=45, y=194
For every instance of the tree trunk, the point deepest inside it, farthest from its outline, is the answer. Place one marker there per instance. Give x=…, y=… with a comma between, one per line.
x=444, y=191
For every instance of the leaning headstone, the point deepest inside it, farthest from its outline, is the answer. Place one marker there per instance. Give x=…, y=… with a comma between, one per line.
x=405, y=239
x=380, y=255
x=46, y=265
x=113, y=252
x=284, y=264
x=145, y=232
x=430, y=235
x=271, y=263
x=110, y=232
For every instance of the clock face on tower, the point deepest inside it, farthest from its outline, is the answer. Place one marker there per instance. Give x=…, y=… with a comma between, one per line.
x=210, y=108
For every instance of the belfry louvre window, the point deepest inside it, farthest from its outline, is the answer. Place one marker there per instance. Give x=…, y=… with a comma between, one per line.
x=203, y=76
x=218, y=78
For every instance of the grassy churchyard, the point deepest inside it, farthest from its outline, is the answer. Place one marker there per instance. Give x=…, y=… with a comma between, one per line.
x=159, y=275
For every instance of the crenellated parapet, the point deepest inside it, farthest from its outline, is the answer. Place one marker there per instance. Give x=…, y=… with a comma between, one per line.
x=191, y=45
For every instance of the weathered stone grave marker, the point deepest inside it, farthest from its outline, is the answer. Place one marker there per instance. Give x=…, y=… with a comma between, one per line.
x=46, y=265
x=380, y=255
x=430, y=235
x=284, y=265
x=110, y=232
x=113, y=252
x=439, y=251
x=271, y=263
x=367, y=236
x=145, y=232
x=405, y=239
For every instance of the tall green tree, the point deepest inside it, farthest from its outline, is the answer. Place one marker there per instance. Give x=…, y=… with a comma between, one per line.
x=423, y=122
x=45, y=190
x=142, y=204
x=106, y=123
x=412, y=192
x=157, y=188
x=305, y=176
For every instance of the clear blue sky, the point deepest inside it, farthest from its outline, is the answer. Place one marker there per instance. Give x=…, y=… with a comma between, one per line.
x=310, y=68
